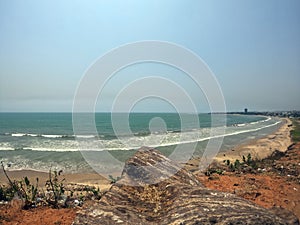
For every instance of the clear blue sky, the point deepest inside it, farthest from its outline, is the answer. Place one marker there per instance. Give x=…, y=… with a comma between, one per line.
x=253, y=47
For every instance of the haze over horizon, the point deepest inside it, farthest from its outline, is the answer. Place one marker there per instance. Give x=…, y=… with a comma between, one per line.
x=252, y=47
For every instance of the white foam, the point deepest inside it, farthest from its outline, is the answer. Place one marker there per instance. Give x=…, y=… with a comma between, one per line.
x=86, y=136
x=54, y=149
x=51, y=136
x=171, y=138
x=39, y=135
x=6, y=149
x=18, y=134
x=84, y=143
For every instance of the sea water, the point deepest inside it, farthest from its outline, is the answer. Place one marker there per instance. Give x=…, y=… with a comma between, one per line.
x=42, y=141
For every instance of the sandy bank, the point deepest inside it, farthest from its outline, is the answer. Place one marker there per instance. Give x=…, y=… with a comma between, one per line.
x=91, y=179
x=261, y=148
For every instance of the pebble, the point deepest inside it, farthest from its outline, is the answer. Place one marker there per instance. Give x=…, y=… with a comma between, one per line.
x=76, y=202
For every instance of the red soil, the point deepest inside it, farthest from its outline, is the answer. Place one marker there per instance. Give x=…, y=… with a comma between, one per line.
x=278, y=186
x=12, y=214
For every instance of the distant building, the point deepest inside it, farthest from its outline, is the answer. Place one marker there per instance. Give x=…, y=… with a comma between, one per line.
x=245, y=110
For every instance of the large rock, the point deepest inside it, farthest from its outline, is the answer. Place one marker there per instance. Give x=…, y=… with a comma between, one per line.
x=154, y=190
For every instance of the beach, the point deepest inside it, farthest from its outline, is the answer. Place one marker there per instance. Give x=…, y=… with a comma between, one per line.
x=263, y=147
x=269, y=187
x=259, y=148
x=89, y=179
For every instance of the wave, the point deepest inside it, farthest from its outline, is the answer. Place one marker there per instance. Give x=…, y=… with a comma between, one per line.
x=93, y=143
x=101, y=136
x=39, y=135
x=219, y=136
x=252, y=123
x=108, y=136
x=7, y=149
x=39, y=149
x=17, y=135
x=84, y=136
x=188, y=134
x=110, y=142
x=261, y=121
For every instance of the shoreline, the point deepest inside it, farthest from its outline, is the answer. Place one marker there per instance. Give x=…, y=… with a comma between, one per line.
x=260, y=148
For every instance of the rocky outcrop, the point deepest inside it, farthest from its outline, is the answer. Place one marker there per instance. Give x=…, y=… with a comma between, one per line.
x=154, y=190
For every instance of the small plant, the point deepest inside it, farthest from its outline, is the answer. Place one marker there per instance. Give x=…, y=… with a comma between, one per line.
x=211, y=171
x=247, y=162
x=6, y=193
x=28, y=192
x=13, y=185
x=237, y=164
x=227, y=162
x=250, y=162
x=56, y=194
x=244, y=159
x=96, y=192
x=249, y=158
x=55, y=188
x=23, y=188
x=113, y=179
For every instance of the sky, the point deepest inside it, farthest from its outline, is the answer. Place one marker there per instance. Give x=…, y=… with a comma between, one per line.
x=252, y=48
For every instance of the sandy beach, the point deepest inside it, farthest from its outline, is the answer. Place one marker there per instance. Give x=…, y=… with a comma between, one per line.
x=282, y=187
x=261, y=148
x=258, y=148
x=90, y=179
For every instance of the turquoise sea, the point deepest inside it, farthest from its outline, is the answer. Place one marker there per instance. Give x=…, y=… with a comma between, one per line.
x=43, y=140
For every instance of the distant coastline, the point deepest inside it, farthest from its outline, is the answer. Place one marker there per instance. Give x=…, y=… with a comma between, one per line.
x=288, y=113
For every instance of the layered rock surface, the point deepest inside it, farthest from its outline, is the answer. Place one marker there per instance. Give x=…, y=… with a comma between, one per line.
x=155, y=190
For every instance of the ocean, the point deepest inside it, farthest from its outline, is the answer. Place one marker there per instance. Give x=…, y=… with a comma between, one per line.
x=41, y=141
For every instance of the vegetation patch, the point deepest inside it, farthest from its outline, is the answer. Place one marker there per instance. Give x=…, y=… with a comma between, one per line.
x=55, y=193
x=295, y=132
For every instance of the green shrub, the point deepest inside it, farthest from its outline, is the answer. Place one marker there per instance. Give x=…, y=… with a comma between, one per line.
x=295, y=132
x=23, y=188
x=28, y=192
x=240, y=166
x=32, y=196
x=55, y=187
